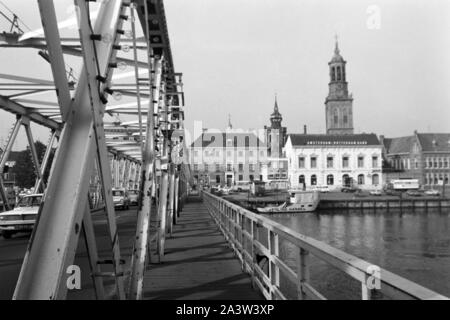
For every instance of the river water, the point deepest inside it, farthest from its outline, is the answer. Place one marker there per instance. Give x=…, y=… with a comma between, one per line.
x=414, y=244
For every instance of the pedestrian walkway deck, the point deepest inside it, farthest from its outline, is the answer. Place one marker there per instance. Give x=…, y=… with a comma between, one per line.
x=198, y=264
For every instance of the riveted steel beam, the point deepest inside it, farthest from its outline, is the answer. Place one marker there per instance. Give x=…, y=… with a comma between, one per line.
x=55, y=236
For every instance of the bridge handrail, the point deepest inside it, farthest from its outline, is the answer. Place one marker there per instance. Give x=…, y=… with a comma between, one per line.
x=239, y=225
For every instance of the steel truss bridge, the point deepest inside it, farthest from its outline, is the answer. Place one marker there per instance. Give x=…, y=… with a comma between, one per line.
x=96, y=151
x=147, y=151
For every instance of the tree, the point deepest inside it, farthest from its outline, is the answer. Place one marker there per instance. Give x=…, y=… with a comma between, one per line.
x=24, y=168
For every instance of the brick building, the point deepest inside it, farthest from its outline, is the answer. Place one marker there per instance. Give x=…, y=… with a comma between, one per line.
x=423, y=156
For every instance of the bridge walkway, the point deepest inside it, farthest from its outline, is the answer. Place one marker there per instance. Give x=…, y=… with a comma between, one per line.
x=198, y=264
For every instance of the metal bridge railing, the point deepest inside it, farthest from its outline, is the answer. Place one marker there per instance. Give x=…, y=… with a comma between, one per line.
x=251, y=236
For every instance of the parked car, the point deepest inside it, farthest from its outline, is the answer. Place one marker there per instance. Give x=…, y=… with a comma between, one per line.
x=133, y=195
x=376, y=193
x=215, y=190
x=414, y=193
x=22, y=218
x=432, y=192
x=121, y=199
x=348, y=189
x=225, y=190
x=241, y=186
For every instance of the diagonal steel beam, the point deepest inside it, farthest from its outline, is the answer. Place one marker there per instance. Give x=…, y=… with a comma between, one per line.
x=45, y=160
x=18, y=109
x=34, y=156
x=50, y=26
x=55, y=236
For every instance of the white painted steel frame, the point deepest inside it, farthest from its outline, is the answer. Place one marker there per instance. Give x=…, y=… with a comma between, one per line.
x=55, y=236
x=142, y=238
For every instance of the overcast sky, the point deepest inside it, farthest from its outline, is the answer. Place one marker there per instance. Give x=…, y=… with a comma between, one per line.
x=236, y=54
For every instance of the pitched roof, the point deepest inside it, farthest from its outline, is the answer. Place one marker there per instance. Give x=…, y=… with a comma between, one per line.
x=429, y=142
x=398, y=145
x=334, y=140
x=219, y=140
x=434, y=141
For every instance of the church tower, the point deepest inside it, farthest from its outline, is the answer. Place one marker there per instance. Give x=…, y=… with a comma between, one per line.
x=276, y=134
x=339, y=103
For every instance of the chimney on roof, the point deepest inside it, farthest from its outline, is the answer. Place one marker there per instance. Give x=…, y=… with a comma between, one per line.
x=415, y=132
x=434, y=142
x=304, y=129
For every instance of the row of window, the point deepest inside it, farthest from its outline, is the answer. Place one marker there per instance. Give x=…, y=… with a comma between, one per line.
x=336, y=117
x=240, y=178
x=434, y=163
x=346, y=179
x=404, y=163
x=229, y=166
x=331, y=162
x=435, y=178
x=234, y=142
x=216, y=153
x=337, y=73
x=430, y=163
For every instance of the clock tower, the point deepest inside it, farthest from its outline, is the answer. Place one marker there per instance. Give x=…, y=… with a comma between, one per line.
x=339, y=103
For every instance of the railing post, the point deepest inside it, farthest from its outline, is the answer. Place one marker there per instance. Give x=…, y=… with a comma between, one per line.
x=269, y=271
x=273, y=268
x=366, y=293
x=302, y=272
x=254, y=233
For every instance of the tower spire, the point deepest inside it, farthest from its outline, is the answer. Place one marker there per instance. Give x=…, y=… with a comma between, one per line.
x=275, y=108
x=336, y=47
x=229, y=122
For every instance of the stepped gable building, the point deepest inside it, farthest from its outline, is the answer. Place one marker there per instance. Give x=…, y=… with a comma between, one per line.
x=334, y=160
x=339, y=103
x=423, y=156
x=225, y=157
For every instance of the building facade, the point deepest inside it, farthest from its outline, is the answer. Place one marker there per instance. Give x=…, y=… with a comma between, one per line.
x=223, y=158
x=339, y=103
x=334, y=160
x=422, y=156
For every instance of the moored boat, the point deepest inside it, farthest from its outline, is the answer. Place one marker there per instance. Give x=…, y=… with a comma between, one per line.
x=299, y=201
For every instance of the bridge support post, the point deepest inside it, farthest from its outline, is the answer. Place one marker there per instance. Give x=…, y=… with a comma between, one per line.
x=176, y=199
x=146, y=183
x=171, y=199
x=162, y=213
